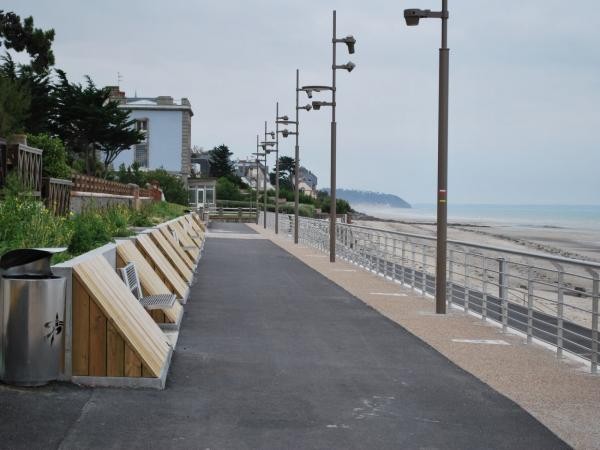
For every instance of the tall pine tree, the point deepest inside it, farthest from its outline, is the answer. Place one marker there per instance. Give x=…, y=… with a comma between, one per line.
x=220, y=162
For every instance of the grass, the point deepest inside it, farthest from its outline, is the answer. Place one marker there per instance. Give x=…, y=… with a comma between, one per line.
x=26, y=223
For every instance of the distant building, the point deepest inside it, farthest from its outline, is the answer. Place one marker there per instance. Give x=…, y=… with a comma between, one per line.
x=166, y=125
x=200, y=160
x=246, y=170
x=307, y=182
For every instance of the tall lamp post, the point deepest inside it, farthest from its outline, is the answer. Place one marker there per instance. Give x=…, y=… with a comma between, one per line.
x=265, y=144
x=284, y=120
x=257, y=171
x=277, y=122
x=349, y=66
x=412, y=17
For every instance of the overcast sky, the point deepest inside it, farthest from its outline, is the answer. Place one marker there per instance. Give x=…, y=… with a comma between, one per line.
x=525, y=85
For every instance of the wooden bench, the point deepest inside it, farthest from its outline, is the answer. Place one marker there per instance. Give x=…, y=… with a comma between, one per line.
x=113, y=336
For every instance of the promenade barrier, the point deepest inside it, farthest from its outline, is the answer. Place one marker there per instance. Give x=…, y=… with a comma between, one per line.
x=549, y=299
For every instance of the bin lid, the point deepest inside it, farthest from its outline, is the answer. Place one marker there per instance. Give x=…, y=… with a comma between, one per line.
x=27, y=261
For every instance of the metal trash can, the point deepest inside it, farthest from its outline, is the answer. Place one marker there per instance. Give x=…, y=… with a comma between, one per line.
x=32, y=311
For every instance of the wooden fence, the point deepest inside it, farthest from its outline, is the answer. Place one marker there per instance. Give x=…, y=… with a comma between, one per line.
x=26, y=162
x=57, y=195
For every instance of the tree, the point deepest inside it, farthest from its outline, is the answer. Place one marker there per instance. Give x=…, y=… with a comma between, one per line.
x=23, y=36
x=119, y=134
x=87, y=120
x=286, y=173
x=227, y=190
x=220, y=162
x=14, y=106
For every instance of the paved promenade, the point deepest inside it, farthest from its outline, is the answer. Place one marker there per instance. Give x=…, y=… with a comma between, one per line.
x=273, y=355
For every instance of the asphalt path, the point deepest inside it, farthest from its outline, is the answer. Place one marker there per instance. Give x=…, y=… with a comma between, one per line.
x=272, y=355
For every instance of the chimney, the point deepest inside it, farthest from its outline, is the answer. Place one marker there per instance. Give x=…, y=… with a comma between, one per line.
x=164, y=100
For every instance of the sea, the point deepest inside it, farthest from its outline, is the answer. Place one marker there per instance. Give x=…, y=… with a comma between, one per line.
x=536, y=216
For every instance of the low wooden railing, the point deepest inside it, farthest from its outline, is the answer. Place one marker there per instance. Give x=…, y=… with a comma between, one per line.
x=57, y=195
x=26, y=162
x=87, y=183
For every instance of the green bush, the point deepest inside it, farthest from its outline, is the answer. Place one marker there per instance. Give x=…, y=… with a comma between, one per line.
x=227, y=190
x=25, y=223
x=171, y=185
x=90, y=230
x=54, y=158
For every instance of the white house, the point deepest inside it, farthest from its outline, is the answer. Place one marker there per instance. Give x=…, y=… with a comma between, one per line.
x=167, y=127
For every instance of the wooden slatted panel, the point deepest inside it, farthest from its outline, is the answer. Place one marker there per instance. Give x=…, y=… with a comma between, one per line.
x=184, y=240
x=166, y=232
x=162, y=264
x=150, y=281
x=180, y=261
x=184, y=237
x=190, y=231
x=195, y=227
x=198, y=220
x=81, y=329
x=125, y=313
x=185, y=229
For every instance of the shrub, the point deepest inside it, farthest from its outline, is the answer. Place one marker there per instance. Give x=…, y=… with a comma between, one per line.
x=25, y=222
x=89, y=231
x=54, y=158
x=227, y=190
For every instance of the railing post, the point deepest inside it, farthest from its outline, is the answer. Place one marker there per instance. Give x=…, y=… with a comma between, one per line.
x=402, y=265
x=503, y=291
x=466, y=275
x=560, y=303
x=484, y=288
x=394, y=261
x=385, y=260
x=424, y=271
x=529, y=305
x=451, y=276
x=413, y=264
x=595, y=300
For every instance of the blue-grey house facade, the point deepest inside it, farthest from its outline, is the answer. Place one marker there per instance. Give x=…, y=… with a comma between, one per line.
x=166, y=125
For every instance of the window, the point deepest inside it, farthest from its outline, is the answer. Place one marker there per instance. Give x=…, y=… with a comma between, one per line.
x=140, y=155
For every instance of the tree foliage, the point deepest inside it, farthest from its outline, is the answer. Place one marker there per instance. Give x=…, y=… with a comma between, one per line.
x=173, y=188
x=14, y=106
x=286, y=173
x=55, y=155
x=227, y=190
x=23, y=36
x=88, y=120
x=220, y=161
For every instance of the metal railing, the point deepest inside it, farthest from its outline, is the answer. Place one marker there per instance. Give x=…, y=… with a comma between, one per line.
x=547, y=298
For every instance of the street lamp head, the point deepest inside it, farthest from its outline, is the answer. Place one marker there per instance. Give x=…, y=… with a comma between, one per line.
x=317, y=105
x=272, y=134
x=349, y=66
x=285, y=133
x=283, y=118
x=412, y=16
x=350, y=41
x=308, y=93
x=306, y=107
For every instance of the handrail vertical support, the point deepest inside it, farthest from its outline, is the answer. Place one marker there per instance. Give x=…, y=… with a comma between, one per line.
x=503, y=291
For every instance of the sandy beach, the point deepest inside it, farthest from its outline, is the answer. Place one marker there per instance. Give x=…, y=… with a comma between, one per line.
x=582, y=244
x=579, y=244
